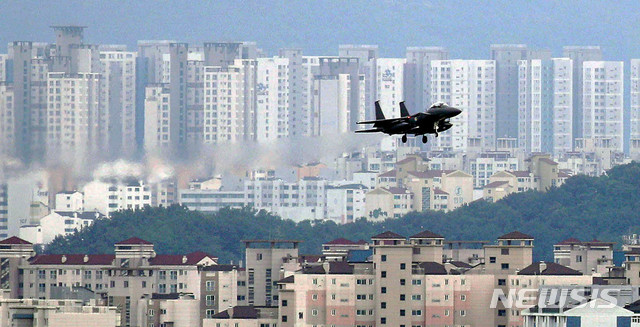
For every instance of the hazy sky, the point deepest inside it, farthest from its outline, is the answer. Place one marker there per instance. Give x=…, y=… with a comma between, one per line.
x=467, y=28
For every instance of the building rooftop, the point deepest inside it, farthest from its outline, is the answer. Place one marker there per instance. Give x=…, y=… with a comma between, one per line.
x=82, y=215
x=433, y=268
x=426, y=234
x=397, y=190
x=516, y=235
x=341, y=241
x=552, y=269
x=390, y=173
x=73, y=259
x=388, y=235
x=439, y=191
x=178, y=259
x=14, y=240
x=133, y=240
x=496, y=184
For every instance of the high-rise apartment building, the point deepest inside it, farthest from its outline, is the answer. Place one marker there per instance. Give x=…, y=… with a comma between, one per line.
x=634, y=99
x=506, y=58
x=580, y=54
x=74, y=125
x=329, y=69
x=417, y=76
x=118, y=101
x=264, y=260
x=224, y=109
x=471, y=86
x=296, y=91
x=367, y=56
x=603, y=103
x=545, y=105
x=272, y=96
x=389, y=85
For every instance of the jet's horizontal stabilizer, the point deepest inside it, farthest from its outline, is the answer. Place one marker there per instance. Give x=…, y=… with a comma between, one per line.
x=373, y=130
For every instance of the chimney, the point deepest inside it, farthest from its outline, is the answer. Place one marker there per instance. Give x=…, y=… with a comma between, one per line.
x=86, y=258
x=543, y=266
x=184, y=259
x=64, y=258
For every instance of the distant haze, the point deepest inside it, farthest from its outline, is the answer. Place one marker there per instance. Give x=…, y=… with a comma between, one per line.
x=466, y=28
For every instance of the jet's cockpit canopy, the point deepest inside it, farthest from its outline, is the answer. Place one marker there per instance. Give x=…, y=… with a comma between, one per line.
x=439, y=105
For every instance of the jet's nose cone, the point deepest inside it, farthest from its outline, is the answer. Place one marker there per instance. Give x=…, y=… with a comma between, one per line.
x=454, y=111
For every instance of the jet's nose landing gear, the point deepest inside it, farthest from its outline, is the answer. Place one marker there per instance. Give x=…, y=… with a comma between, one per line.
x=404, y=138
x=424, y=139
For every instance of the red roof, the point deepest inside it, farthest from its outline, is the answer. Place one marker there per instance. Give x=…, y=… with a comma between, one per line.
x=405, y=160
x=73, y=259
x=548, y=161
x=397, y=190
x=389, y=234
x=341, y=241
x=520, y=173
x=178, y=259
x=14, y=240
x=439, y=191
x=427, y=234
x=570, y=241
x=134, y=240
x=515, y=235
x=430, y=173
x=495, y=184
x=390, y=173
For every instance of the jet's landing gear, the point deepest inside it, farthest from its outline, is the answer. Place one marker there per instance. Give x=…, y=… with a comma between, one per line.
x=404, y=138
x=424, y=139
x=436, y=134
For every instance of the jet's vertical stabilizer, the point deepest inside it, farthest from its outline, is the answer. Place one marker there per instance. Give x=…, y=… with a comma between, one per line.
x=403, y=110
x=379, y=113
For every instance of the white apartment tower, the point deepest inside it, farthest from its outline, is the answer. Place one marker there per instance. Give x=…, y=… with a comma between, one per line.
x=6, y=118
x=223, y=104
x=634, y=142
x=74, y=115
x=118, y=100
x=310, y=68
x=272, y=95
x=417, y=75
x=331, y=102
x=469, y=85
x=545, y=105
x=156, y=117
x=390, y=85
x=602, y=108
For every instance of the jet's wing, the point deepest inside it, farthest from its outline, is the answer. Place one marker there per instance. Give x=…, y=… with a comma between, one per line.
x=373, y=130
x=403, y=110
x=384, y=120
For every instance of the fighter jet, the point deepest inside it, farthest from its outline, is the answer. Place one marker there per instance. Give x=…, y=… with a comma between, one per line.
x=434, y=120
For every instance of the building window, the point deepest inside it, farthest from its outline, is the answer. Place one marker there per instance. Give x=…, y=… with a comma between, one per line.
x=403, y=266
x=210, y=313
x=284, y=303
x=314, y=312
x=504, y=251
x=402, y=282
x=284, y=318
x=210, y=285
x=383, y=257
x=383, y=305
x=492, y=259
x=505, y=266
x=502, y=282
x=383, y=320
x=463, y=297
x=402, y=297
x=210, y=299
x=383, y=290
x=383, y=274
x=402, y=313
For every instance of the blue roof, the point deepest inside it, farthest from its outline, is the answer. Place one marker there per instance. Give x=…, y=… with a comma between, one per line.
x=359, y=255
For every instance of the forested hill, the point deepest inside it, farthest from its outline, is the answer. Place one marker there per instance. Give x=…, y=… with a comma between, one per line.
x=587, y=208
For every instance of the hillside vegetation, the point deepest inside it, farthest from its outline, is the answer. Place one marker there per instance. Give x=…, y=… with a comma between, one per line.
x=584, y=207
